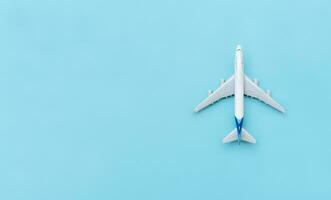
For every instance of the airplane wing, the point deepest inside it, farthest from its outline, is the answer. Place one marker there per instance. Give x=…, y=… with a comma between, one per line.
x=253, y=90
x=226, y=89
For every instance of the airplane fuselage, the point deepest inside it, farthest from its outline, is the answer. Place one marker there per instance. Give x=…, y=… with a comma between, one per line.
x=239, y=85
x=239, y=88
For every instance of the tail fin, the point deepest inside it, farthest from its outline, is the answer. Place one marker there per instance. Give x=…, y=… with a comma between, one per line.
x=233, y=136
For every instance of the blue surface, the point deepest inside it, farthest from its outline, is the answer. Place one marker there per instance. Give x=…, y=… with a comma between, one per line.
x=97, y=97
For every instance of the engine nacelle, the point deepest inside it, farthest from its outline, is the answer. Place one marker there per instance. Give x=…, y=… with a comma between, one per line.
x=210, y=92
x=256, y=82
x=222, y=81
x=268, y=92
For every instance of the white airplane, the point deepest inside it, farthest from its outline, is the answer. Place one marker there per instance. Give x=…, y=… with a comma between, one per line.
x=239, y=85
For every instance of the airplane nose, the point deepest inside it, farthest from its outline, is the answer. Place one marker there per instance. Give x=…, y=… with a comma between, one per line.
x=238, y=48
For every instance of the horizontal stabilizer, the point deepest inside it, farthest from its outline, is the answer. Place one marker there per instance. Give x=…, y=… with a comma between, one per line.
x=244, y=136
x=231, y=136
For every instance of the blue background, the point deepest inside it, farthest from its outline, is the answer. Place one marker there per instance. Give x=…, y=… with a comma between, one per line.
x=97, y=97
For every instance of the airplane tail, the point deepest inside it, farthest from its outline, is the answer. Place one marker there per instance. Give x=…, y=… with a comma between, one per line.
x=245, y=136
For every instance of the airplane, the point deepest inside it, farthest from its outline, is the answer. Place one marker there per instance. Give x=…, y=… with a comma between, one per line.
x=239, y=85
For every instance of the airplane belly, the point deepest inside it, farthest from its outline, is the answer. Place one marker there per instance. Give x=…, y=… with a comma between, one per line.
x=239, y=96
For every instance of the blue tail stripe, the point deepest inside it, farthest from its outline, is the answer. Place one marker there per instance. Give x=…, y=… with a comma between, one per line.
x=239, y=125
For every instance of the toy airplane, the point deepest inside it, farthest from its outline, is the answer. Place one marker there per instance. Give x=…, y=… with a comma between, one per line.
x=239, y=85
